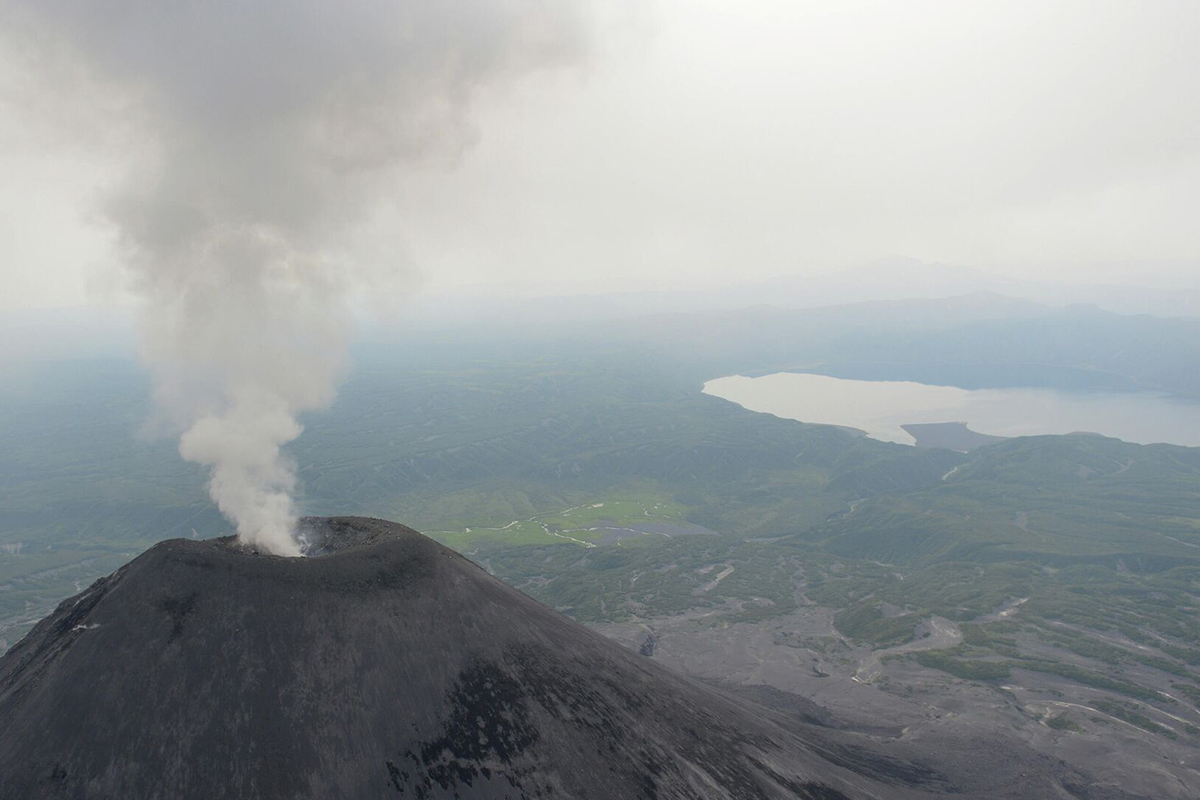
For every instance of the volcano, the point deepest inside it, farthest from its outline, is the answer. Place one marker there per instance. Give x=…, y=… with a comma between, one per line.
x=382, y=665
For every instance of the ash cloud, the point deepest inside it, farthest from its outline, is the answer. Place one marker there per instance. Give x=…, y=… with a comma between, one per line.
x=267, y=131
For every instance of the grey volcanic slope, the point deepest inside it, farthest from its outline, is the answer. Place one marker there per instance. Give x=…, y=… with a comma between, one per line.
x=385, y=665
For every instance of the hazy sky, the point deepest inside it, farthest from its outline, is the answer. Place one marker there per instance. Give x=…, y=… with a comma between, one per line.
x=705, y=142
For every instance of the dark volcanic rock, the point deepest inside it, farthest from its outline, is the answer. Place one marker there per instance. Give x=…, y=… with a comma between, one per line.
x=385, y=666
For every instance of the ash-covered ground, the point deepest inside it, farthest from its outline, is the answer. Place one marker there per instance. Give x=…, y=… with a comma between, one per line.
x=382, y=665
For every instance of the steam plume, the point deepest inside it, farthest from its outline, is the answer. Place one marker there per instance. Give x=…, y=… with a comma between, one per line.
x=271, y=127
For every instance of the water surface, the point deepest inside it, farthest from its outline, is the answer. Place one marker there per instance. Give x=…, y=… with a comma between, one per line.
x=880, y=408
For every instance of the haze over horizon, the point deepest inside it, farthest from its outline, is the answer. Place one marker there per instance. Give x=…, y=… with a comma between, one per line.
x=699, y=145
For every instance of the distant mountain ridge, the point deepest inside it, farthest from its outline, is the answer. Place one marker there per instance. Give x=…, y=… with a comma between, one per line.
x=880, y=280
x=975, y=341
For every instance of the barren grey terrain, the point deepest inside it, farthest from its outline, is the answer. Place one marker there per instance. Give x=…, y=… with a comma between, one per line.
x=800, y=662
x=387, y=665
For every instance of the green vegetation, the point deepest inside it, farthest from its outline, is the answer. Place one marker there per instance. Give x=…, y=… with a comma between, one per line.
x=1089, y=678
x=748, y=580
x=1190, y=691
x=967, y=670
x=599, y=480
x=866, y=623
x=990, y=638
x=1128, y=714
x=618, y=518
x=446, y=443
x=1061, y=722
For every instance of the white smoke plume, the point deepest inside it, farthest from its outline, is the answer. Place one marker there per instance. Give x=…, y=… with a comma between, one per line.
x=268, y=129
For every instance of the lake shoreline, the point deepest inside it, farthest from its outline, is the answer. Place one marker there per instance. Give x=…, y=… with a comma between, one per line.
x=954, y=418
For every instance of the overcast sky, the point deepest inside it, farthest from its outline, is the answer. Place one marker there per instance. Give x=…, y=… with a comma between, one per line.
x=704, y=142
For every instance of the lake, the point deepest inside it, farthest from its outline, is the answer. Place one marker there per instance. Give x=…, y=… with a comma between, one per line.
x=881, y=408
